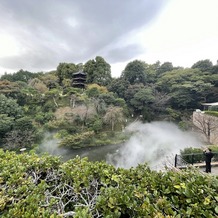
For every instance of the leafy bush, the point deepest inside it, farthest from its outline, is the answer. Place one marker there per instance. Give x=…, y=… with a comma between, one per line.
x=33, y=186
x=61, y=125
x=10, y=107
x=24, y=123
x=192, y=155
x=195, y=155
x=6, y=124
x=61, y=134
x=78, y=140
x=49, y=106
x=43, y=118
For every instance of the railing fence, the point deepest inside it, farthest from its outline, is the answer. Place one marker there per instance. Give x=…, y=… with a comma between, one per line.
x=183, y=160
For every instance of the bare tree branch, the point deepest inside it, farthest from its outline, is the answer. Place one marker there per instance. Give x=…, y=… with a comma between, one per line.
x=207, y=124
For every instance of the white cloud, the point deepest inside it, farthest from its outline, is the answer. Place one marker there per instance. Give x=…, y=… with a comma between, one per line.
x=38, y=37
x=184, y=33
x=8, y=46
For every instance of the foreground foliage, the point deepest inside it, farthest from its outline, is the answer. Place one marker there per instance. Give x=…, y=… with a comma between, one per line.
x=32, y=186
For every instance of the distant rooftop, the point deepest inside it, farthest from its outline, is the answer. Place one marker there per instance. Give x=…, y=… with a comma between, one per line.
x=210, y=104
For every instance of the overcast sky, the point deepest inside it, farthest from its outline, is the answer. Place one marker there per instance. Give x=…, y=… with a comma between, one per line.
x=37, y=35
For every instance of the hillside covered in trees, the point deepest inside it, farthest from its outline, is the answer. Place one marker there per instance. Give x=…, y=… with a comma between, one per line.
x=95, y=113
x=34, y=103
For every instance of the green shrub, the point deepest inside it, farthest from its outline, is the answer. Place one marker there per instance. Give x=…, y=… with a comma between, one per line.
x=33, y=186
x=24, y=123
x=43, y=118
x=56, y=125
x=192, y=155
x=212, y=113
x=49, y=106
x=195, y=155
x=77, y=140
x=61, y=134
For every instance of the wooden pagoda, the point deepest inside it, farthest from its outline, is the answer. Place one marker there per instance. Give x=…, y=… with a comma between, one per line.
x=79, y=80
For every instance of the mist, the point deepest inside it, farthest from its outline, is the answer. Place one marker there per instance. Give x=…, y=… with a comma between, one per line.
x=51, y=146
x=155, y=143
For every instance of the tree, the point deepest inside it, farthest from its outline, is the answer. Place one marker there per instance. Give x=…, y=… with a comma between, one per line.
x=21, y=75
x=165, y=67
x=98, y=71
x=99, y=105
x=65, y=71
x=38, y=85
x=187, y=87
x=24, y=123
x=161, y=101
x=135, y=72
x=214, y=69
x=50, y=79
x=77, y=140
x=207, y=124
x=30, y=98
x=108, y=98
x=9, y=89
x=94, y=90
x=17, y=139
x=6, y=124
x=142, y=98
x=131, y=91
x=10, y=107
x=97, y=125
x=203, y=65
x=113, y=116
x=53, y=94
x=119, y=86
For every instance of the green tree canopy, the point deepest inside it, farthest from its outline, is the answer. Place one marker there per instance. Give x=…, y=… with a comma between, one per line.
x=10, y=107
x=166, y=66
x=21, y=75
x=141, y=98
x=131, y=91
x=188, y=87
x=119, y=86
x=203, y=65
x=65, y=71
x=98, y=71
x=108, y=98
x=6, y=124
x=135, y=72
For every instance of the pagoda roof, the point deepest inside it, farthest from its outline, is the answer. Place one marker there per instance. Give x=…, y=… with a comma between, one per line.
x=79, y=73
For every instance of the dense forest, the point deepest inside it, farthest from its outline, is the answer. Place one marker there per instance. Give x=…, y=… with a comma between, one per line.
x=34, y=103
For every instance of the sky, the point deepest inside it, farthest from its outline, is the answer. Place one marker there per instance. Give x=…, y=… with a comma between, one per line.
x=37, y=35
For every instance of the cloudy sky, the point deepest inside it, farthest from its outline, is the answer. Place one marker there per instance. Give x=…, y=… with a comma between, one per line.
x=37, y=35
